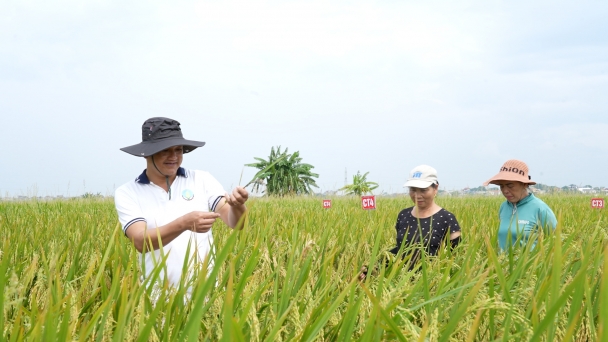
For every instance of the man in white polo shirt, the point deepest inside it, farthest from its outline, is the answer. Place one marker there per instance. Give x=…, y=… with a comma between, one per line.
x=176, y=204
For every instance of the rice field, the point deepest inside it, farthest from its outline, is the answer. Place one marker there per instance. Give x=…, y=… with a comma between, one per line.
x=68, y=273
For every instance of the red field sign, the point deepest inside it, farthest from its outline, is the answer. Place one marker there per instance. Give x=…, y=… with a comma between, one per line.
x=597, y=203
x=326, y=204
x=368, y=202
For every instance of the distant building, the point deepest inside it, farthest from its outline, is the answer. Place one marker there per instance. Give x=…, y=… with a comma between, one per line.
x=536, y=190
x=494, y=192
x=587, y=190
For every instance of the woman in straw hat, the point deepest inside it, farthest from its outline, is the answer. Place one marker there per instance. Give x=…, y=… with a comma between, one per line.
x=522, y=213
x=425, y=224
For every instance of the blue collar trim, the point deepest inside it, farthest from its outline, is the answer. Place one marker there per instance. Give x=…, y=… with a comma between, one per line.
x=143, y=178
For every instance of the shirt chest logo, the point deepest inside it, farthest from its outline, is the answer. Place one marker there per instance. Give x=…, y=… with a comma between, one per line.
x=523, y=222
x=187, y=194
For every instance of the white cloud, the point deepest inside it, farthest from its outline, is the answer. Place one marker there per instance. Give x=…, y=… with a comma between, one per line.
x=592, y=136
x=350, y=84
x=317, y=30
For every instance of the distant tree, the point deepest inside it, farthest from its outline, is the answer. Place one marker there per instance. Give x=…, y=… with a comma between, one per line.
x=549, y=188
x=92, y=195
x=360, y=185
x=283, y=174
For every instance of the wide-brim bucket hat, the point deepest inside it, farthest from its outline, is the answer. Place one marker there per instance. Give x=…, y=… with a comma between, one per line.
x=158, y=134
x=512, y=170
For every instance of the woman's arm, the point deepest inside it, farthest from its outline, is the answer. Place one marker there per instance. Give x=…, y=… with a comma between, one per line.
x=454, y=239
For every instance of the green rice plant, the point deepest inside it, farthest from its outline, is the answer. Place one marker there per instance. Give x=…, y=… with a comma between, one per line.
x=67, y=272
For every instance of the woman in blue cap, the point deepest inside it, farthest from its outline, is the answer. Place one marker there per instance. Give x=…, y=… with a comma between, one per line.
x=425, y=224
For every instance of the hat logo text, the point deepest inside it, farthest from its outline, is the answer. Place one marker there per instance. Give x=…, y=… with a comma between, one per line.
x=417, y=175
x=512, y=169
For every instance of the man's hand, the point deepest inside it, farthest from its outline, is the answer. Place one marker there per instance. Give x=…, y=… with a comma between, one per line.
x=238, y=197
x=198, y=221
x=232, y=213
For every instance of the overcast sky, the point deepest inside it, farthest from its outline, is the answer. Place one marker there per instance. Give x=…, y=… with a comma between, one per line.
x=378, y=86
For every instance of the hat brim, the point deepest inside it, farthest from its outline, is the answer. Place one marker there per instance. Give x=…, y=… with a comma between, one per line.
x=508, y=176
x=417, y=183
x=148, y=148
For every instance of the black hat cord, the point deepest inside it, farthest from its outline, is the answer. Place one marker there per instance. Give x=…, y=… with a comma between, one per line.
x=166, y=177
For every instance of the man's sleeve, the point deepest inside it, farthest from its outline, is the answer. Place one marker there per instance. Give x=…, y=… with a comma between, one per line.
x=213, y=190
x=127, y=208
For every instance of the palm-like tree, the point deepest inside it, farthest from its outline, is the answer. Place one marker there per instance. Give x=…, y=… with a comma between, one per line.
x=283, y=173
x=360, y=185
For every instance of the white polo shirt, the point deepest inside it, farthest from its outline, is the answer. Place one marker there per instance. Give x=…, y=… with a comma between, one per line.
x=142, y=200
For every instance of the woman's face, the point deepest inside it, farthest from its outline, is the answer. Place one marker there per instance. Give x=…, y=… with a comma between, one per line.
x=423, y=197
x=512, y=190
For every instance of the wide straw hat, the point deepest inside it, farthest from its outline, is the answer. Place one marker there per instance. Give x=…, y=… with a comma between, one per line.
x=512, y=170
x=158, y=134
x=422, y=176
